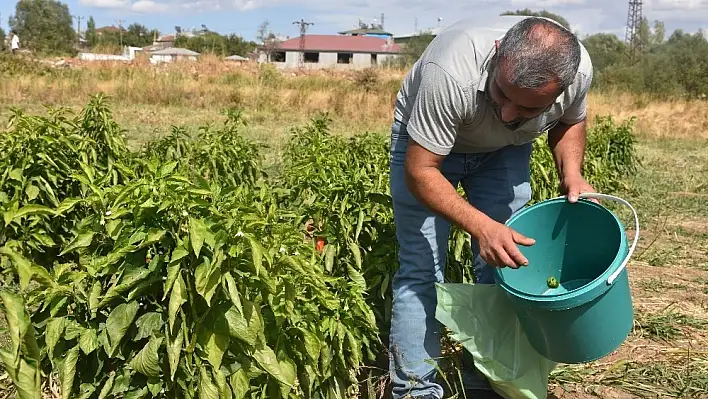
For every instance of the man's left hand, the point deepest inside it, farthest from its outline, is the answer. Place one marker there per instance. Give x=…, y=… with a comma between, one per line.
x=572, y=186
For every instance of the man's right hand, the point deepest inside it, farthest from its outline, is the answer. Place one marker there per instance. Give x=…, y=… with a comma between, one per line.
x=497, y=245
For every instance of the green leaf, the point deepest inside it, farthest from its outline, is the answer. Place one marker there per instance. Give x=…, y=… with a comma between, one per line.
x=232, y=288
x=73, y=330
x=118, y=322
x=220, y=379
x=88, y=341
x=206, y=279
x=21, y=264
x=25, y=376
x=240, y=383
x=214, y=336
x=148, y=324
x=266, y=359
x=93, y=298
x=329, y=257
x=174, y=349
x=131, y=277
x=52, y=334
x=256, y=254
x=207, y=388
x=136, y=394
x=167, y=169
x=197, y=234
x=68, y=372
x=107, y=386
x=67, y=205
x=356, y=277
x=312, y=345
x=22, y=359
x=356, y=251
x=32, y=210
x=44, y=239
x=82, y=240
x=359, y=225
x=147, y=361
x=16, y=174
x=177, y=298
x=32, y=192
x=245, y=326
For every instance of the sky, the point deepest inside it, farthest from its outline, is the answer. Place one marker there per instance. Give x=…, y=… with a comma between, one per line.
x=243, y=17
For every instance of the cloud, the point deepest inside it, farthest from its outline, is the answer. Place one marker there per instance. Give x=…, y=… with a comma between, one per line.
x=149, y=6
x=139, y=6
x=106, y=3
x=546, y=3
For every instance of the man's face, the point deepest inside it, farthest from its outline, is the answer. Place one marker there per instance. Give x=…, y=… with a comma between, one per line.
x=513, y=105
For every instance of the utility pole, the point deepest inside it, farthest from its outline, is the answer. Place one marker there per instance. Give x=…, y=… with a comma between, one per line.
x=120, y=31
x=303, y=29
x=78, y=29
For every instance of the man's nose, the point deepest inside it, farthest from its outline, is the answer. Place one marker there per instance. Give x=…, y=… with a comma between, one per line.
x=509, y=112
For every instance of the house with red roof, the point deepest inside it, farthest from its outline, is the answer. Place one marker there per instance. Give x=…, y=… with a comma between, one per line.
x=332, y=51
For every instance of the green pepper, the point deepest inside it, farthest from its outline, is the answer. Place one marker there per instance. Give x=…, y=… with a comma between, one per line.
x=552, y=282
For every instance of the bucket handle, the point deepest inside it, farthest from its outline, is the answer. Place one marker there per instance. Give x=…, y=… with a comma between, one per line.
x=599, y=196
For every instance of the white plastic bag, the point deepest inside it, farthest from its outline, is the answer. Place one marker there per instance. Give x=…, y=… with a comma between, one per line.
x=482, y=320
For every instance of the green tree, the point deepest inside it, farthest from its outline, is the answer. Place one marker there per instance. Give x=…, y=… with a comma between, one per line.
x=542, y=13
x=605, y=49
x=214, y=43
x=138, y=35
x=91, y=36
x=3, y=37
x=44, y=26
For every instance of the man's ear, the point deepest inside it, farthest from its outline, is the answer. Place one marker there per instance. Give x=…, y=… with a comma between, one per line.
x=496, y=44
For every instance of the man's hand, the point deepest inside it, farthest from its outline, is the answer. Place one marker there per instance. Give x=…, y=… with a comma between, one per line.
x=574, y=185
x=426, y=182
x=567, y=142
x=497, y=245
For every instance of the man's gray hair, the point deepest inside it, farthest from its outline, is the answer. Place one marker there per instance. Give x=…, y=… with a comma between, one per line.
x=537, y=51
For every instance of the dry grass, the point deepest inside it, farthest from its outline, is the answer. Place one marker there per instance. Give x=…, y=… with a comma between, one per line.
x=202, y=88
x=655, y=119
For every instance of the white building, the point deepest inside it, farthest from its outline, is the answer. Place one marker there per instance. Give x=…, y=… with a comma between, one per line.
x=173, y=54
x=333, y=51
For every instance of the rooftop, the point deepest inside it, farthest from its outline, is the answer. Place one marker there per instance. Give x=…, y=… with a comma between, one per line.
x=366, y=31
x=175, y=51
x=339, y=43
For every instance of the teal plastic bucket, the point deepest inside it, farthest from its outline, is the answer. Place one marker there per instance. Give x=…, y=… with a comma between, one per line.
x=583, y=246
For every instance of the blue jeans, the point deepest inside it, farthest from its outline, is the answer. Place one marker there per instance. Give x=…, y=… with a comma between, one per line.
x=496, y=183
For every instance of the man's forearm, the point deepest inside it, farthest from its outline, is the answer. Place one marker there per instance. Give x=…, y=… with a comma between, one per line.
x=433, y=190
x=567, y=142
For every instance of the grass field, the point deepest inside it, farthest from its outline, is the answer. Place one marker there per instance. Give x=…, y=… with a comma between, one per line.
x=667, y=354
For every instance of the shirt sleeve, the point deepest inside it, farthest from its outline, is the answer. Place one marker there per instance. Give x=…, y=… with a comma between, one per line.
x=438, y=110
x=578, y=110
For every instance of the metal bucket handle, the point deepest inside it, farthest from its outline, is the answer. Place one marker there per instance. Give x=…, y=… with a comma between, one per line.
x=599, y=196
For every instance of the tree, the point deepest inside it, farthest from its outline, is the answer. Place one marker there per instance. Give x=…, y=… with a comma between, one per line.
x=44, y=26
x=91, y=36
x=542, y=13
x=3, y=37
x=138, y=35
x=268, y=40
x=605, y=49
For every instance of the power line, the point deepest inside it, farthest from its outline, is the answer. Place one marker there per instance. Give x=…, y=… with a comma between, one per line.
x=303, y=30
